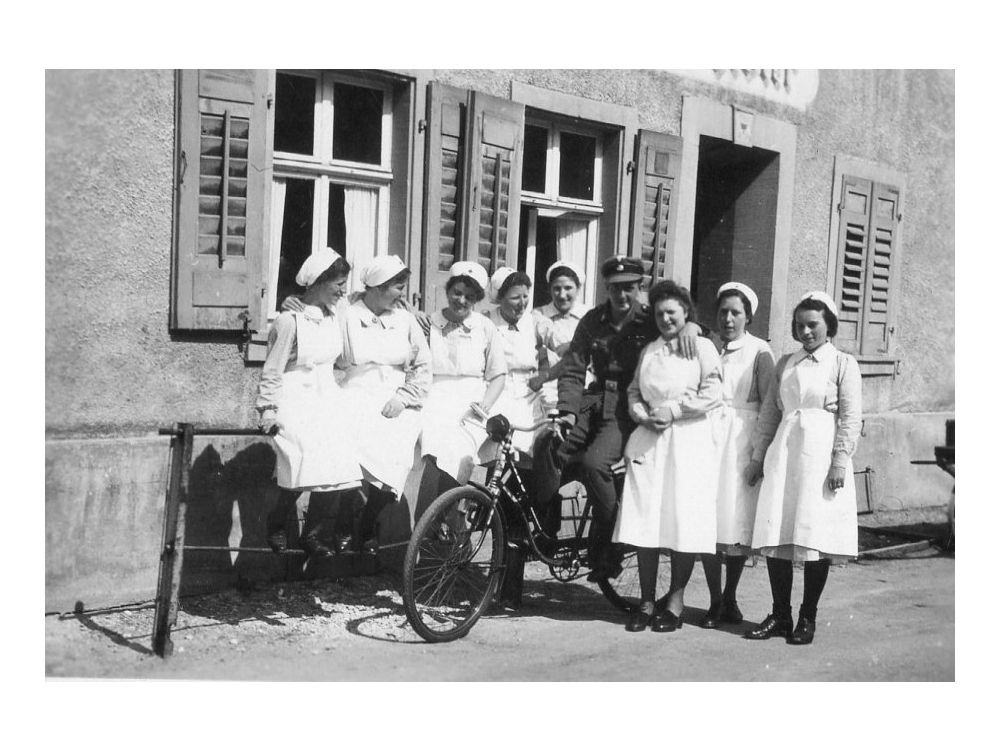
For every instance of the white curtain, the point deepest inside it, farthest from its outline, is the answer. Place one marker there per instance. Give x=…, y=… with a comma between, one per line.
x=277, y=223
x=361, y=220
x=571, y=241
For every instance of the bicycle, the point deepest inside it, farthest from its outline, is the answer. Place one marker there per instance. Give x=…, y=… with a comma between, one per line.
x=456, y=556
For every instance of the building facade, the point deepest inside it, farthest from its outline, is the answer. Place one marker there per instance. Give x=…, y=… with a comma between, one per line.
x=179, y=205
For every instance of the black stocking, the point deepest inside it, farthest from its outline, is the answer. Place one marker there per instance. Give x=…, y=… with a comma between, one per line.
x=649, y=561
x=815, y=580
x=734, y=569
x=277, y=518
x=780, y=574
x=681, y=566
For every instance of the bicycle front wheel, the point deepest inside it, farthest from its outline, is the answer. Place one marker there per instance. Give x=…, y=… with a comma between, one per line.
x=623, y=590
x=453, y=564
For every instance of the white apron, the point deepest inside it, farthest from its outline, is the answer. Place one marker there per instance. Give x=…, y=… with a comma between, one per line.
x=736, y=502
x=454, y=444
x=314, y=450
x=671, y=476
x=798, y=516
x=521, y=405
x=385, y=445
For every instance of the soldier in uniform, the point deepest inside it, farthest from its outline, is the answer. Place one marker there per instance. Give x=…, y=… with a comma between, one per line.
x=594, y=422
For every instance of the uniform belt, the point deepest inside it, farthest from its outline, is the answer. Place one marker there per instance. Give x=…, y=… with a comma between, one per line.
x=608, y=386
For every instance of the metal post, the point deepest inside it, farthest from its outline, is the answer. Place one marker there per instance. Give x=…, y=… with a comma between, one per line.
x=172, y=542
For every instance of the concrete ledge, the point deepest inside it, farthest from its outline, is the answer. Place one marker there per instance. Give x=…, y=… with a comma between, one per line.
x=104, y=501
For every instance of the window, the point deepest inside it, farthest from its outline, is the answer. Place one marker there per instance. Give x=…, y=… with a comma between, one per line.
x=273, y=165
x=865, y=260
x=332, y=170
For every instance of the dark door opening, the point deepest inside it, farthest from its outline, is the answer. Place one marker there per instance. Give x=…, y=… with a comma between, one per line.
x=734, y=222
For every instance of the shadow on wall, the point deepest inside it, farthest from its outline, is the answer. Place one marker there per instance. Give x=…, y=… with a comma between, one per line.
x=228, y=504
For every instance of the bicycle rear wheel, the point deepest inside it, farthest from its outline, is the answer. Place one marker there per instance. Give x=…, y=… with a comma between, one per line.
x=623, y=591
x=453, y=564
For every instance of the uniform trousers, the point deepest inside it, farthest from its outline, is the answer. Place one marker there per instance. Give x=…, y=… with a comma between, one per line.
x=598, y=439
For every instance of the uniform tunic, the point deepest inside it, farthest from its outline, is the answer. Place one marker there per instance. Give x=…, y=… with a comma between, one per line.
x=385, y=356
x=671, y=475
x=523, y=348
x=314, y=450
x=463, y=358
x=810, y=420
x=558, y=335
x=747, y=369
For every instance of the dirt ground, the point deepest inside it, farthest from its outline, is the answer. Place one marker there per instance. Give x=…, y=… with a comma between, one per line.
x=880, y=619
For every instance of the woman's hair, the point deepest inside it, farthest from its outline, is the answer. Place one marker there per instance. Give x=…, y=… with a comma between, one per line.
x=564, y=271
x=339, y=269
x=471, y=282
x=828, y=317
x=668, y=289
x=518, y=278
x=401, y=276
x=743, y=299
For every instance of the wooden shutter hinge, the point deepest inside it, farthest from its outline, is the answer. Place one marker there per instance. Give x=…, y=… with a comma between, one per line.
x=629, y=167
x=270, y=100
x=421, y=126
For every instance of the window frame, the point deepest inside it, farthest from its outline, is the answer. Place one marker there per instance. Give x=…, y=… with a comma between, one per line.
x=872, y=364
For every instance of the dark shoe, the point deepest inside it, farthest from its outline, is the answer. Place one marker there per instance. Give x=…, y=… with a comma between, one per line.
x=277, y=540
x=731, y=613
x=641, y=618
x=804, y=632
x=314, y=547
x=711, y=619
x=342, y=543
x=667, y=622
x=771, y=627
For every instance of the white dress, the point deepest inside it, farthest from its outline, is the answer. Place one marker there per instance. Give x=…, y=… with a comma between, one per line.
x=385, y=356
x=745, y=379
x=557, y=337
x=817, y=399
x=314, y=450
x=521, y=344
x=671, y=476
x=462, y=360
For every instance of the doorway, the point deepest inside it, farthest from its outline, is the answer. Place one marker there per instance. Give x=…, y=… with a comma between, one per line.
x=735, y=216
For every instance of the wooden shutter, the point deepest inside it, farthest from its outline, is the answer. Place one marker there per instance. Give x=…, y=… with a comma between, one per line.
x=447, y=109
x=867, y=265
x=880, y=287
x=852, y=252
x=223, y=182
x=495, y=154
x=655, y=179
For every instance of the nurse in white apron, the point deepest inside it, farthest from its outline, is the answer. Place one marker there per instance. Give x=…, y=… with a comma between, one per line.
x=563, y=313
x=747, y=369
x=303, y=407
x=387, y=376
x=523, y=336
x=468, y=369
x=806, y=434
x=671, y=468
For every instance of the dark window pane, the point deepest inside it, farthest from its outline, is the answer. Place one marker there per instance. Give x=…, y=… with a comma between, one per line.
x=336, y=228
x=294, y=120
x=357, y=124
x=296, y=235
x=535, y=154
x=576, y=165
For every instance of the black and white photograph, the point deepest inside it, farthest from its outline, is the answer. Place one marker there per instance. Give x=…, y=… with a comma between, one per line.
x=587, y=375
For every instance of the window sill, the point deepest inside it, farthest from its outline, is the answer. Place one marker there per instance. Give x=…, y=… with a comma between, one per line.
x=873, y=365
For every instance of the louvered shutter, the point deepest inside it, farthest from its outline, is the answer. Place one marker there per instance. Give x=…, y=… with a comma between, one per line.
x=443, y=209
x=495, y=154
x=223, y=182
x=879, y=289
x=852, y=252
x=655, y=179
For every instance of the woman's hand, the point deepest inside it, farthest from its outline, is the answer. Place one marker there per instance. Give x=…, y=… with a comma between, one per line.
x=536, y=382
x=687, y=340
x=835, y=478
x=269, y=422
x=292, y=303
x=393, y=408
x=658, y=422
x=753, y=472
